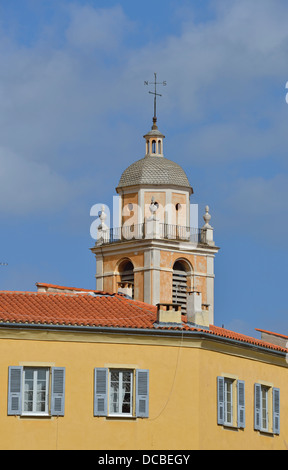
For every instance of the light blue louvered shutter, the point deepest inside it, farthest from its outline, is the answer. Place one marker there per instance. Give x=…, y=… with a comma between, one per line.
x=276, y=411
x=58, y=391
x=220, y=400
x=100, y=391
x=241, y=404
x=142, y=393
x=15, y=390
x=257, y=407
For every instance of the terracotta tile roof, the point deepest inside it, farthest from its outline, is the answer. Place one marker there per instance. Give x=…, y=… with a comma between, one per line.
x=272, y=333
x=87, y=309
x=83, y=307
x=243, y=338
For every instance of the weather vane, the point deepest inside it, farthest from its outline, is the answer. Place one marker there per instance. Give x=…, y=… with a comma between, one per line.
x=155, y=83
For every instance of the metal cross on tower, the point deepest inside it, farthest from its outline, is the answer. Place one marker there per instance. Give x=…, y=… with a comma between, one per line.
x=155, y=83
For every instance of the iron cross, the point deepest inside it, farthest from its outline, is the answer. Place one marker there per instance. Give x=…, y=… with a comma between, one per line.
x=155, y=83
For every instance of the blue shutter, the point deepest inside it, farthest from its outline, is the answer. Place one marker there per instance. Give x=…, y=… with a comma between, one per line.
x=276, y=410
x=58, y=391
x=142, y=393
x=241, y=404
x=257, y=406
x=100, y=391
x=15, y=390
x=220, y=400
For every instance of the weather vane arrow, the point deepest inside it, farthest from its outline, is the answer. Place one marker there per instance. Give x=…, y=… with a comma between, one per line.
x=155, y=83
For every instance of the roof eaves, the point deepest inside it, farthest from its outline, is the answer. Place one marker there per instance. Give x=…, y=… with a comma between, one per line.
x=162, y=330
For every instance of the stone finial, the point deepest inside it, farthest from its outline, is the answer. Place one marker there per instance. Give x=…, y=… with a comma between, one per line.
x=207, y=230
x=152, y=229
x=103, y=229
x=153, y=206
x=102, y=217
x=207, y=217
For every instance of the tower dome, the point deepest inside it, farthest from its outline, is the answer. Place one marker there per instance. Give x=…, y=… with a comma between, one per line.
x=154, y=168
x=154, y=171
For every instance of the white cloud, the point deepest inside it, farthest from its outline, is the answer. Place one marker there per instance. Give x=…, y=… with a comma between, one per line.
x=30, y=187
x=100, y=29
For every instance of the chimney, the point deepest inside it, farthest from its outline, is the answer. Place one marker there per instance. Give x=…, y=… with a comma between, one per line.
x=197, y=313
x=125, y=288
x=169, y=313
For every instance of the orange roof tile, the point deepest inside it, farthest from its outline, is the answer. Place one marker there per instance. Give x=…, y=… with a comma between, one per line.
x=243, y=338
x=88, y=308
x=272, y=333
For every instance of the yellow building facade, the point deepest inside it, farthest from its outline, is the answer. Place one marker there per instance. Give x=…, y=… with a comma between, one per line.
x=182, y=368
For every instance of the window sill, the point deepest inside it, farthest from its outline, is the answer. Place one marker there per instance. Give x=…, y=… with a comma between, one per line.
x=35, y=415
x=232, y=427
x=266, y=432
x=121, y=416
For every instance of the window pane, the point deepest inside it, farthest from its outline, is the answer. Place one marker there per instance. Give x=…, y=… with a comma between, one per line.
x=228, y=401
x=114, y=392
x=126, y=395
x=36, y=388
x=28, y=391
x=264, y=391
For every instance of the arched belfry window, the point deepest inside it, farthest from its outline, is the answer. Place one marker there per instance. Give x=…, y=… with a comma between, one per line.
x=179, y=285
x=126, y=271
x=159, y=147
x=153, y=146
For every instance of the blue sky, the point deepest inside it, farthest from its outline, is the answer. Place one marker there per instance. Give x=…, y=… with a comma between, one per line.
x=74, y=109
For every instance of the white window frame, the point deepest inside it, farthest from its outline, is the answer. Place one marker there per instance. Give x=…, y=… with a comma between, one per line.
x=229, y=386
x=265, y=406
x=35, y=401
x=120, y=396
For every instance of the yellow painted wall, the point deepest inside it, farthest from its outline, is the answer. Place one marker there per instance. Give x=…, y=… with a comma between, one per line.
x=183, y=408
x=251, y=371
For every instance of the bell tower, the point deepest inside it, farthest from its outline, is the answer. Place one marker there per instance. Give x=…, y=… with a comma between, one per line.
x=154, y=255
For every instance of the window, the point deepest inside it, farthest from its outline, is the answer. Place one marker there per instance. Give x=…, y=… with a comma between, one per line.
x=230, y=402
x=35, y=390
x=30, y=392
x=126, y=270
x=121, y=392
x=266, y=409
x=179, y=285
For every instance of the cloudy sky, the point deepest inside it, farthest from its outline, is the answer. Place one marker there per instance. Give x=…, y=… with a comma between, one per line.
x=74, y=109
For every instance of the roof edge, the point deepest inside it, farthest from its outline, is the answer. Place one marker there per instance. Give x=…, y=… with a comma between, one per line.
x=160, y=331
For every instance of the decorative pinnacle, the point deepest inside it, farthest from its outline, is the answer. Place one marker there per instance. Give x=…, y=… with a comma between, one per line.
x=102, y=217
x=153, y=206
x=207, y=217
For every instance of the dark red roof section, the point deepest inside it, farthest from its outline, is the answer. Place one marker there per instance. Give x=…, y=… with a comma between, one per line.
x=84, y=307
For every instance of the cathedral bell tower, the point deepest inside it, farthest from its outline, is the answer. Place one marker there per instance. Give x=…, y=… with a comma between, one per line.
x=154, y=255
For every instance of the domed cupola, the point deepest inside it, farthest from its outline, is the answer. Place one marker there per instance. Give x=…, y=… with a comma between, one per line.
x=154, y=169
